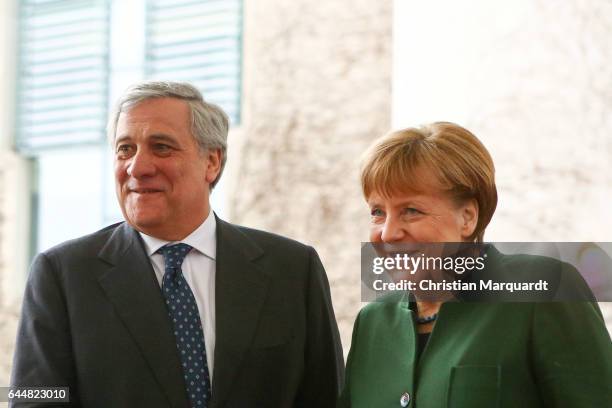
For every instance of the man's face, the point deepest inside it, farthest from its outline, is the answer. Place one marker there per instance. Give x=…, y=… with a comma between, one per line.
x=162, y=177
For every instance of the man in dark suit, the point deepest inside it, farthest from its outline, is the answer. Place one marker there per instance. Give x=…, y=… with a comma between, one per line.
x=175, y=307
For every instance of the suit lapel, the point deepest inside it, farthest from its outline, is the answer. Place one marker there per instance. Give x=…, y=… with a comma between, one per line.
x=240, y=290
x=131, y=286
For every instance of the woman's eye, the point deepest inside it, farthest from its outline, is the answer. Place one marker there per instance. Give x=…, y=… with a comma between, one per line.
x=376, y=212
x=412, y=211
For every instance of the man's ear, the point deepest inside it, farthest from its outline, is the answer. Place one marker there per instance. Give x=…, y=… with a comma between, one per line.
x=213, y=164
x=469, y=218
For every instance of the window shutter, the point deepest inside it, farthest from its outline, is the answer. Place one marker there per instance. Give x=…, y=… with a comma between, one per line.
x=63, y=73
x=198, y=42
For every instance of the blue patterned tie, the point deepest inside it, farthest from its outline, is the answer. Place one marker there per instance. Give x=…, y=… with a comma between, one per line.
x=183, y=311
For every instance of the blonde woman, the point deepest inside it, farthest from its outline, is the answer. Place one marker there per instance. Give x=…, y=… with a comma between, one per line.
x=437, y=184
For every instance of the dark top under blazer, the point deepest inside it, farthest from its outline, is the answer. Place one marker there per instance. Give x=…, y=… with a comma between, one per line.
x=485, y=355
x=94, y=319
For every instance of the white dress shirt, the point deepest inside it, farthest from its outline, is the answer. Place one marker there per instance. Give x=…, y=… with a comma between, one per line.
x=199, y=269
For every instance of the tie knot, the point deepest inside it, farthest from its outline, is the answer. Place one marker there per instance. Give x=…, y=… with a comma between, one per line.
x=174, y=254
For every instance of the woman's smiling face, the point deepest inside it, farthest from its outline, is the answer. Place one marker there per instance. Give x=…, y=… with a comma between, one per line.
x=429, y=216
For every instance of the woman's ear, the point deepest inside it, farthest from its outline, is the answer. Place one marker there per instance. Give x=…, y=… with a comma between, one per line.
x=469, y=218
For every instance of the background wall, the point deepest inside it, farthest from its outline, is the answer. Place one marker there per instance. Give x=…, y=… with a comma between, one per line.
x=317, y=90
x=14, y=195
x=531, y=78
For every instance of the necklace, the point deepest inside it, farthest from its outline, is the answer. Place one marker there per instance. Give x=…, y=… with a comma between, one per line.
x=426, y=319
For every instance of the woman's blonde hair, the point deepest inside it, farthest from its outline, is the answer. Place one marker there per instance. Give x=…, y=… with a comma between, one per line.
x=441, y=156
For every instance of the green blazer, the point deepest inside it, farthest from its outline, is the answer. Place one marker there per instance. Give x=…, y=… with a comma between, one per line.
x=510, y=355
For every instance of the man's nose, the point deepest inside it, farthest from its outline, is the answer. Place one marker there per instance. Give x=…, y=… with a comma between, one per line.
x=393, y=230
x=142, y=164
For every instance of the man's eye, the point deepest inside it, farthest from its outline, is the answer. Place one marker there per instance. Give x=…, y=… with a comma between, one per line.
x=162, y=148
x=123, y=150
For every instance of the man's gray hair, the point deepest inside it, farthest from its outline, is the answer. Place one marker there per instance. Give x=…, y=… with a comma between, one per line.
x=209, y=124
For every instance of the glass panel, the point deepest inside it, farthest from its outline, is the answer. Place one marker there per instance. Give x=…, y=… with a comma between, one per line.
x=69, y=212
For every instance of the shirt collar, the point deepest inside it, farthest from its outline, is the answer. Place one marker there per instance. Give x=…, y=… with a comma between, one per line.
x=203, y=239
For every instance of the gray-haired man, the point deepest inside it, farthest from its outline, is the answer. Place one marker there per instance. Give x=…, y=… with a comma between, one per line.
x=175, y=307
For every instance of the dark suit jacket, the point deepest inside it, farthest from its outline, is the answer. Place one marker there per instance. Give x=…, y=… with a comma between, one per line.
x=489, y=355
x=94, y=319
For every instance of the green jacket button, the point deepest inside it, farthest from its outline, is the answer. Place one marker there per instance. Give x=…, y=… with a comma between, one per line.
x=405, y=400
